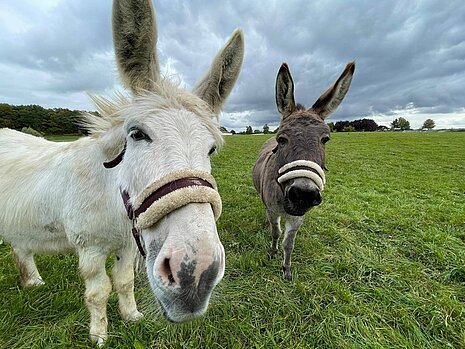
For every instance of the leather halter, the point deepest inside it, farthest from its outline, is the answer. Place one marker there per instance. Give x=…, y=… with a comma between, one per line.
x=164, y=190
x=302, y=168
x=135, y=232
x=117, y=160
x=175, y=189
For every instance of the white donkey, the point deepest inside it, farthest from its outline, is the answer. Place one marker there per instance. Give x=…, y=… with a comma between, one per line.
x=57, y=197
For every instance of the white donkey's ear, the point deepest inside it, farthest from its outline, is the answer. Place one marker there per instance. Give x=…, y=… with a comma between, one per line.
x=215, y=87
x=284, y=91
x=135, y=40
x=330, y=100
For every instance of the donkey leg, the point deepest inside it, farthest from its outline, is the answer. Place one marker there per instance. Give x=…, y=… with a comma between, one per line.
x=274, y=221
x=98, y=288
x=123, y=279
x=28, y=273
x=293, y=224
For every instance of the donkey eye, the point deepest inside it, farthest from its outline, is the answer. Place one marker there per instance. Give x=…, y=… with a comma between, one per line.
x=139, y=135
x=325, y=140
x=212, y=150
x=282, y=141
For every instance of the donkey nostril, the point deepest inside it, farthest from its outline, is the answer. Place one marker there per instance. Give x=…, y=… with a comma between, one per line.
x=165, y=271
x=294, y=194
x=317, y=199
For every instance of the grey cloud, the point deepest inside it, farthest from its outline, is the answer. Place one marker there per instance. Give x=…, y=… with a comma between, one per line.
x=406, y=52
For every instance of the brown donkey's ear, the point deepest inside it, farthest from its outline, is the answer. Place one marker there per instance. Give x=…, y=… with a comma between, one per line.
x=330, y=100
x=285, y=91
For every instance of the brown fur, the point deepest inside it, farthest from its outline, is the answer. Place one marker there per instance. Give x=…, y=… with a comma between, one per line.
x=301, y=136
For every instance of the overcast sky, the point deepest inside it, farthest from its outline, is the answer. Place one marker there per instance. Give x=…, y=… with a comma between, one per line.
x=410, y=54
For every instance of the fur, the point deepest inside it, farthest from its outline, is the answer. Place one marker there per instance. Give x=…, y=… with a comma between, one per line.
x=301, y=134
x=58, y=197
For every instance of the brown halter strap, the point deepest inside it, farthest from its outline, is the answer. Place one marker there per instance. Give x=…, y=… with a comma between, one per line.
x=117, y=160
x=153, y=197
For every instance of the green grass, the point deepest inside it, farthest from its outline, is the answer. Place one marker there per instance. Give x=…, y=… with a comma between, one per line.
x=62, y=138
x=380, y=264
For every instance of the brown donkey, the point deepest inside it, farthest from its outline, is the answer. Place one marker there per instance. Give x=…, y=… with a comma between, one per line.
x=288, y=174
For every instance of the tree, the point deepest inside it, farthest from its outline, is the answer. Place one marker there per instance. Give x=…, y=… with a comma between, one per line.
x=31, y=131
x=331, y=126
x=395, y=124
x=266, y=129
x=233, y=132
x=46, y=121
x=8, y=116
x=401, y=123
x=404, y=124
x=249, y=130
x=349, y=128
x=429, y=124
x=364, y=125
x=339, y=126
x=360, y=125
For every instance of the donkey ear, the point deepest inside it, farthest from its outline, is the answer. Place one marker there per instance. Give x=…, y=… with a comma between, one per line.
x=135, y=40
x=215, y=87
x=330, y=100
x=285, y=91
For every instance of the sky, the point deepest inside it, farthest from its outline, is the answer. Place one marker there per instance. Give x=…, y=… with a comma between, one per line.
x=410, y=55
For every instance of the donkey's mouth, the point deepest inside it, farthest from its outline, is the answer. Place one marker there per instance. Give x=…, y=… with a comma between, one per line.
x=295, y=208
x=298, y=199
x=181, y=314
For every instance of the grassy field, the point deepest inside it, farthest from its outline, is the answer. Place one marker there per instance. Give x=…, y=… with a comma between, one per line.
x=380, y=264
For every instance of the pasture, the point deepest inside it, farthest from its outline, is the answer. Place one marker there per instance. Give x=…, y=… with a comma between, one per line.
x=380, y=264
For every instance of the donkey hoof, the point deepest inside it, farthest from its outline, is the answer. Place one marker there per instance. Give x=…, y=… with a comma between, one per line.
x=99, y=340
x=287, y=275
x=134, y=316
x=33, y=283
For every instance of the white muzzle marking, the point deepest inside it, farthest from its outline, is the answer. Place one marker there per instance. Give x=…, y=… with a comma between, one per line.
x=298, y=169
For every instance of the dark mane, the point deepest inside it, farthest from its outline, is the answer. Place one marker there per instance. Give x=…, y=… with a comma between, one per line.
x=299, y=106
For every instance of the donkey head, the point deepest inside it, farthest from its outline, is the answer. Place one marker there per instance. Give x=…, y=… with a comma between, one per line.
x=300, y=149
x=170, y=134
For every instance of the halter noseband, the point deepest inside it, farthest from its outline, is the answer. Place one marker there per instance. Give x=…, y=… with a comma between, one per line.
x=302, y=168
x=168, y=194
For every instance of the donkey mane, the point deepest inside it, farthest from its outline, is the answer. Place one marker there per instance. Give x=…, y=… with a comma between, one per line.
x=62, y=197
x=167, y=95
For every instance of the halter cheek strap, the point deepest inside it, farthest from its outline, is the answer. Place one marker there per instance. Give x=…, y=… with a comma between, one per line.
x=302, y=168
x=117, y=160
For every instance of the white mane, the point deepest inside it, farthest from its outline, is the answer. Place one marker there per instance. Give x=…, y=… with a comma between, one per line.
x=167, y=95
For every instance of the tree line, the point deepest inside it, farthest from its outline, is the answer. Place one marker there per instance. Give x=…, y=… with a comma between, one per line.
x=45, y=121
x=360, y=125
x=30, y=118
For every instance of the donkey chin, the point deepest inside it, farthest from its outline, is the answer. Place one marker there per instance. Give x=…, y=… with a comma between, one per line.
x=300, y=195
x=190, y=300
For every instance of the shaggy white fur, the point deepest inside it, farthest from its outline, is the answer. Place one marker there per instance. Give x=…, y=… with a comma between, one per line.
x=58, y=197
